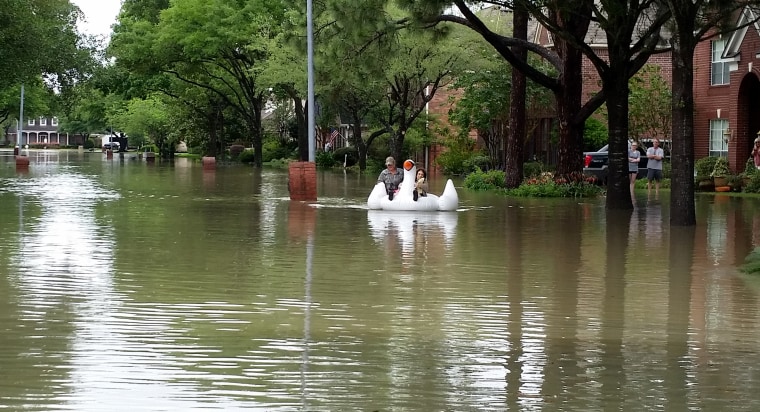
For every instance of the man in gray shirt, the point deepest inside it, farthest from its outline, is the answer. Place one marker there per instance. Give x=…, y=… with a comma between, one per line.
x=655, y=154
x=391, y=176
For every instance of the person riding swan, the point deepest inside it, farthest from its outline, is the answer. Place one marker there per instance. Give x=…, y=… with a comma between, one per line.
x=404, y=198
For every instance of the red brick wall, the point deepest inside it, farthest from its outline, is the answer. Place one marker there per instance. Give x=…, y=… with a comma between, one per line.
x=737, y=101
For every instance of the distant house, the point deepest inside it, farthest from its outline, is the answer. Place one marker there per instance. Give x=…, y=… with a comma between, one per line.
x=42, y=131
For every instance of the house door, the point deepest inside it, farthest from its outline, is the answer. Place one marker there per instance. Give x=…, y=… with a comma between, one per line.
x=748, y=120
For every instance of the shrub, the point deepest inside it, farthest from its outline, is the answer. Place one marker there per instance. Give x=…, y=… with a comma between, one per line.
x=236, y=150
x=324, y=160
x=704, y=167
x=477, y=162
x=753, y=186
x=532, y=169
x=480, y=180
x=547, y=185
x=246, y=156
x=89, y=144
x=595, y=135
x=720, y=169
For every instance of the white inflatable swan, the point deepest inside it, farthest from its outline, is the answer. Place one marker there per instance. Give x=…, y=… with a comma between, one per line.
x=404, y=200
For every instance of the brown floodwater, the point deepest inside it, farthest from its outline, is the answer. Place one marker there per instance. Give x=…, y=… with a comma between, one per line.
x=131, y=286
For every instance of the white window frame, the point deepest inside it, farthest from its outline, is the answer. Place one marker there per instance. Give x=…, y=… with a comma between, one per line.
x=43, y=121
x=30, y=122
x=718, y=144
x=719, y=67
x=54, y=121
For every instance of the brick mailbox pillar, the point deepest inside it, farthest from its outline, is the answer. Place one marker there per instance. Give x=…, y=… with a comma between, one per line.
x=302, y=181
x=109, y=154
x=208, y=162
x=22, y=163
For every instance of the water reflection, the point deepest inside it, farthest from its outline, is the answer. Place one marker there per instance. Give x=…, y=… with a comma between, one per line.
x=413, y=230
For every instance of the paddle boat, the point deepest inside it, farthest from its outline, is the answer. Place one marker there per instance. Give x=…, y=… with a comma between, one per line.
x=404, y=199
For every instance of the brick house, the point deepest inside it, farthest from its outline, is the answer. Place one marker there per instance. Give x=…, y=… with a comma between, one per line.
x=43, y=131
x=726, y=94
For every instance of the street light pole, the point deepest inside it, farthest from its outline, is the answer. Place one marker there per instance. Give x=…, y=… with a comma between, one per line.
x=21, y=121
x=310, y=78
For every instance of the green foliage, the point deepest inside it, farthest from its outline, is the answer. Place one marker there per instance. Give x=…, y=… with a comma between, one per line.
x=649, y=100
x=704, y=167
x=480, y=180
x=276, y=149
x=246, y=156
x=595, y=135
x=40, y=36
x=720, y=168
x=89, y=144
x=753, y=185
x=324, y=160
x=752, y=262
x=750, y=169
x=642, y=184
x=456, y=160
x=547, y=185
x=280, y=163
x=533, y=169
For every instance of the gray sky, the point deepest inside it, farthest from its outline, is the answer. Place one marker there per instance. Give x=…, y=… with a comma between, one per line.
x=100, y=15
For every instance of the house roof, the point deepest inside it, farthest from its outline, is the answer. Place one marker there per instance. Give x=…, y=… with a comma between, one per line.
x=736, y=39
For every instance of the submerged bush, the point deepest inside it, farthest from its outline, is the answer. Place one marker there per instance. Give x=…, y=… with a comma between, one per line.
x=548, y=185
x=480, y=180
x=324, y=160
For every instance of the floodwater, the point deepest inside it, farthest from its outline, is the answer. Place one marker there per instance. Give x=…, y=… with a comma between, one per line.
x=126, y=286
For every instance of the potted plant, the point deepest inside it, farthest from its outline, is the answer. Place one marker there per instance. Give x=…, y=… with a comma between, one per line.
x=720, y=172
x=703, y=168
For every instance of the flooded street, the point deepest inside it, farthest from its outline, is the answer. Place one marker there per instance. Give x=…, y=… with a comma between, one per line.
x=126, y=286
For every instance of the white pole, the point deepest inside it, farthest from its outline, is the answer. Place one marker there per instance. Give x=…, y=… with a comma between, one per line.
x=21, y=120
x=310, y=78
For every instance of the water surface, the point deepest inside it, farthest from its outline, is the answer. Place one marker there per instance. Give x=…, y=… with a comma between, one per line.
x=129, y=286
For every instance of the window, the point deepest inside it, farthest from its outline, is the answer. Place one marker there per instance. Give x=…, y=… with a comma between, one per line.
x=30, y=122
x=718, y=146
x=54, y=121
x=43, y=121
x=719, y=66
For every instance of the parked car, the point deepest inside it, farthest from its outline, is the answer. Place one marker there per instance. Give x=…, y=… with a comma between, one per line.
x=111, y=146
x=596, y=163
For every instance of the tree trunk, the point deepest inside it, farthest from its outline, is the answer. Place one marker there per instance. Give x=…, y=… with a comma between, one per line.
x=570, y=156
x=361, y=148
x=682, y=207
x=397, y=144
x=254, y=124
x=618, y=189
x=516, y=140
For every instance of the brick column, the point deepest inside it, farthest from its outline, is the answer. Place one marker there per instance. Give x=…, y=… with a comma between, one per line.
x=302, y=181
x=208, y=162
x=22, y=163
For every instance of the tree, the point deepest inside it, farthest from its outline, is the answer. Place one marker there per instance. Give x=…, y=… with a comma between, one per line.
x=649, y=104
x=42, y=39
x=222, y=46
x=37, y=100
x=150, y=118
x=572, y=17
x=391, y=95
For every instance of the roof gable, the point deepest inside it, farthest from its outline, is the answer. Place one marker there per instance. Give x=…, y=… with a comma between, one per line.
x=736, y=39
